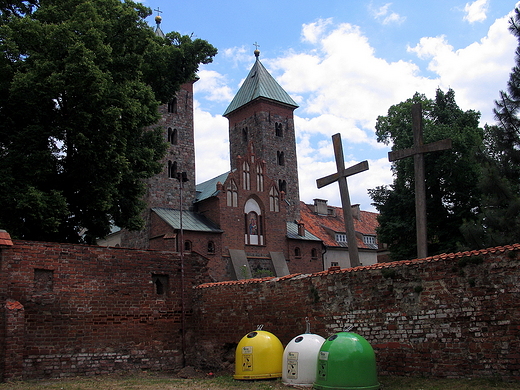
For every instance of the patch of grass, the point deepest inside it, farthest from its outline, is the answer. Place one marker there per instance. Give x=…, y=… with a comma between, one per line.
x=153, y=381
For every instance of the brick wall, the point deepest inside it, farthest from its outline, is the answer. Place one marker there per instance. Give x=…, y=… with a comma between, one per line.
x=447, y=316
x=85, y=310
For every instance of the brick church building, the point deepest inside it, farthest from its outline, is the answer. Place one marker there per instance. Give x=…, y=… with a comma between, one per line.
x=246, y=221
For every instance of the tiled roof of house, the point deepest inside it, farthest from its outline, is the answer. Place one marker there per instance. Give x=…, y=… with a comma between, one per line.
x=259, y=84
x=323, y=225
x=5, y=238
x=208, y=188
x=292, y=232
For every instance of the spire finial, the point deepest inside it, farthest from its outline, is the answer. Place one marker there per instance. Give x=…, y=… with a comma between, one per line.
x=257, y=52
x=158, y=18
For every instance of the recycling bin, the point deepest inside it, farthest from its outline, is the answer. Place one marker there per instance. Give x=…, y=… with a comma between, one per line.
x=299, y=359
x=258, y=356
x=346, y=361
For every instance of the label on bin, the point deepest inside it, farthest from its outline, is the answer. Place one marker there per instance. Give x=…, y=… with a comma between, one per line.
x=292, y=365
x=324, y=355
x=247, y=358
x=247, y=349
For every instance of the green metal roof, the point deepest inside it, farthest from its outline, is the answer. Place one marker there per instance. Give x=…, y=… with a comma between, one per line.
x=259, y=84
x=292, y=232
x=190, y=220
x=209, y=188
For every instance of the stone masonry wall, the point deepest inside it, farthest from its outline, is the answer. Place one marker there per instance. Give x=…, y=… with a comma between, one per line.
x=452, y=315
x=83, y=310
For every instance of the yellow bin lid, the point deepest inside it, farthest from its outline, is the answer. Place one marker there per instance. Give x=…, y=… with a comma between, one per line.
x=258, y=356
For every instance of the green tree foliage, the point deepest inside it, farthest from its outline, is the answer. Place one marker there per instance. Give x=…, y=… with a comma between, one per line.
x=499, y=221
x=80, y=84
x=452, y=195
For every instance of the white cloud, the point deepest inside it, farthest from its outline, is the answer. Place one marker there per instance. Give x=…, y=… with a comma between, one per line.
x=385, y=16
x=477, y=72
x=476, y=11
x=213, y=85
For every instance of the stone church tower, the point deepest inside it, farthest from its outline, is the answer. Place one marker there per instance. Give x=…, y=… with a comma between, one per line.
x=261, y=121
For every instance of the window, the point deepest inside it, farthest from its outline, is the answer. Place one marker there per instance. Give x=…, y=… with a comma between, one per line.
x=160, y=284
x=297, y=252
x=314, y=254
x=369, y=239
x=278, y=129
x=172, y=106
x=274, y=200
x=246, y=176
x=280, y=158
x=341, y=237
x=259, y=178
x=253, y=225
x=244, y=134
x=173, y=136
x=172, y=169
x=282, y=185
x=211, y=247
x=232, y=194
x=187, y=246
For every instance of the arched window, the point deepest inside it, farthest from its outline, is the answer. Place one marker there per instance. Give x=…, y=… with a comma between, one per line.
x=187, y=246
x=254, y=230
x=297, y=252
x=245, y=134
x=211, y=247
x=278, y=129
x=173, y=136
x=314, y=254
x=246, y=176
x=172, y=106
x=259, y=178
x=232, y=194
x=280, y=158
x=172, y=169
x=282, y=185
x=274, y=200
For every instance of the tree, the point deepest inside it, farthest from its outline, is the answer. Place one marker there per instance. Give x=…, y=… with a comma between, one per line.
x=451, y=176
x=499, y=220
x=80, y=82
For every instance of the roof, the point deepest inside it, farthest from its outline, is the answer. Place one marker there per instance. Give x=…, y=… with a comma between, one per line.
x=5, y=238
x=208, y=188
x=259, y=84
x=190, y=221
x=292, y=232
x=322, y=225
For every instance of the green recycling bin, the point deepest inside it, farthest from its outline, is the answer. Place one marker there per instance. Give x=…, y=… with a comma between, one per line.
x=346, y=361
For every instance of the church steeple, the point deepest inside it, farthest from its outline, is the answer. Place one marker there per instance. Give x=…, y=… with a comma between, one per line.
x=257, y=85
x=261, y=119
x=158, y=20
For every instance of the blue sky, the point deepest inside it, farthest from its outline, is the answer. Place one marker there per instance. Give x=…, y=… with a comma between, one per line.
x=344, y=62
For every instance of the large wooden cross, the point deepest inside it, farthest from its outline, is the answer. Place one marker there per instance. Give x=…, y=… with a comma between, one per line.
x=341, y=177
x=417, y=151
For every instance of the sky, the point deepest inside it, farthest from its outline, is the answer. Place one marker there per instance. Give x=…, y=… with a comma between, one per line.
x=345, y=62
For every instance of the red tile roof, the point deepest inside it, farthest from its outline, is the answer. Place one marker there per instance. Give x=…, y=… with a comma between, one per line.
x=444, y=256
x=318, y=224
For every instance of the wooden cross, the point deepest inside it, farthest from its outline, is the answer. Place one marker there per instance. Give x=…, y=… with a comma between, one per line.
x=417, y=151
x=341, y=177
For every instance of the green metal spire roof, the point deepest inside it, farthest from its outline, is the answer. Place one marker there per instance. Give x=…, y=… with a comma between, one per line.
x=259, y=84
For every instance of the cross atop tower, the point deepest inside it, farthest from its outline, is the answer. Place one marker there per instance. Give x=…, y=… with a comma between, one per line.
x=158, y=11
x=256, y=45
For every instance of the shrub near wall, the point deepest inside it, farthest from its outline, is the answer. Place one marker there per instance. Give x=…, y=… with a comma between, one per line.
x=86, y=310
x=454, y=315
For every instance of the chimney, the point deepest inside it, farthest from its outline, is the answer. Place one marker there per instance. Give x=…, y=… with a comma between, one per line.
x=301, y=229
x=320, y=206
x=356, y=211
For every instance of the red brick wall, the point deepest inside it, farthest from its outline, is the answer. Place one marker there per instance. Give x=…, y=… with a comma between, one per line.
x=90, y=310
x=447, y=316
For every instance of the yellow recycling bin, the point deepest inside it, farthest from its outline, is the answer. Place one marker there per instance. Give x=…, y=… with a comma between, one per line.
x=258, y=356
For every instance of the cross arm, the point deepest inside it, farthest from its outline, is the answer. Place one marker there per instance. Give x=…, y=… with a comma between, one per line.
x=360, y=167
x=431, y=147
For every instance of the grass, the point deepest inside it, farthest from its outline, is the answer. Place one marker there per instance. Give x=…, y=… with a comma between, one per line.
x=148, y=381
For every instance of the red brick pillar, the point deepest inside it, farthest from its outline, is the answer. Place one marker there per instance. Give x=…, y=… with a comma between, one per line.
x=14, y=340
